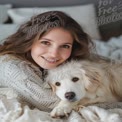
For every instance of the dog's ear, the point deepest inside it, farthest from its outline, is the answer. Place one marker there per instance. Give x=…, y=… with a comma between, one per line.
x=53, y=87
x=93, y=80
x=47, y=85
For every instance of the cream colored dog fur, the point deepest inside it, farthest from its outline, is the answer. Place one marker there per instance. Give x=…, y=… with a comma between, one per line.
x=84, y=82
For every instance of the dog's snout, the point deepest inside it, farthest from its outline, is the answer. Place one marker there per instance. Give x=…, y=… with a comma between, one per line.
x=69, y=95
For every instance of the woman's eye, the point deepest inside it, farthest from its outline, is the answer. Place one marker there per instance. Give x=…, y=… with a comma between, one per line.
x=66, y=46
x=45, y=42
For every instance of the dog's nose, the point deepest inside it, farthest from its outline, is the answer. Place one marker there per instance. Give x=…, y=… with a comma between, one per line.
x=69, y=95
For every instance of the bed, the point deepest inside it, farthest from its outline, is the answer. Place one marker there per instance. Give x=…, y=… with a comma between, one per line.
x=101, y=20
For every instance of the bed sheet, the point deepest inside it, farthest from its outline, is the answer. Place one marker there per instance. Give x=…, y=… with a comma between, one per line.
x=111, y=49
x=11, y=110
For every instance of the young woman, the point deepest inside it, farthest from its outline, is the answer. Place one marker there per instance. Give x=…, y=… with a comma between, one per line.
x=44, y=42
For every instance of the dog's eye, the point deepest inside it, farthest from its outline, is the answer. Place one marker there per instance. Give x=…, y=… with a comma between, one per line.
x=75, y=79
x=57, y=84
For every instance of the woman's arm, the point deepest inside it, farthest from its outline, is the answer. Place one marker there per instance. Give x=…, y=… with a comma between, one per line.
x=26, y=80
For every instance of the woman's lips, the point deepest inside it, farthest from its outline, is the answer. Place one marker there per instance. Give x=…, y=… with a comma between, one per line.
x=50, y=60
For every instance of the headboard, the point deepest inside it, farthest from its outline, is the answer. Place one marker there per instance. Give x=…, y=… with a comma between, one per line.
x=45, y=3
x=109, y=12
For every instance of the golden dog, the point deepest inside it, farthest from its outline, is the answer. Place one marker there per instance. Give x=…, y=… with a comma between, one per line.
x=85, y=82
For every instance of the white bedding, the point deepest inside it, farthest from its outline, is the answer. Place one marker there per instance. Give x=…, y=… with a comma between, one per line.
x=6, y=30
x=111, y=49
x=11, y=110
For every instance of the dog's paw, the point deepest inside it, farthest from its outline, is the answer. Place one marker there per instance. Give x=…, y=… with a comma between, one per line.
x=62, y=111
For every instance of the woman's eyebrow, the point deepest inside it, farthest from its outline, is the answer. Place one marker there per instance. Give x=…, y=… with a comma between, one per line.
x=62, y=43
x=46, y=39
x=68, y=43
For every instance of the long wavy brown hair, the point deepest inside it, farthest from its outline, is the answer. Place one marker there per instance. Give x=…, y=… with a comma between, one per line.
x=19, y=43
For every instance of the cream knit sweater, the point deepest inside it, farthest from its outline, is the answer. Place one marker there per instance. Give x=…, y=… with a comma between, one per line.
x=26, y=80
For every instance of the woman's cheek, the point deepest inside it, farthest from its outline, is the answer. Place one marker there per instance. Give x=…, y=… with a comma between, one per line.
x=67, y=54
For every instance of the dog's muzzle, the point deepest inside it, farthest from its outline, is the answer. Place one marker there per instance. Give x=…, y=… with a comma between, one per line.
x=70, y=96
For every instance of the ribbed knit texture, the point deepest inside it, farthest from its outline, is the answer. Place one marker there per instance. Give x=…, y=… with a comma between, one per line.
x=26, y=80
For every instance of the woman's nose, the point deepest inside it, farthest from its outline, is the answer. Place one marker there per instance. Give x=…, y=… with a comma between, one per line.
x=54, y=52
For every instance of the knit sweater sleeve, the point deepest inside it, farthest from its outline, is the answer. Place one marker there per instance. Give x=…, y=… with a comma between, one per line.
x=27, y=81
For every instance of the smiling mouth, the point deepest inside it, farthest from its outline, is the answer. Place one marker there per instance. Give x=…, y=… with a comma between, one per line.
x=50, y=60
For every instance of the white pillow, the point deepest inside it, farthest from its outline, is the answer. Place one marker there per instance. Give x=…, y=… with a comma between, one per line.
x=83, y=14
x=6, y=30
x=3, y=12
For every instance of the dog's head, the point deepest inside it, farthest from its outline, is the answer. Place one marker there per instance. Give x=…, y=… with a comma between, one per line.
x=71, y=81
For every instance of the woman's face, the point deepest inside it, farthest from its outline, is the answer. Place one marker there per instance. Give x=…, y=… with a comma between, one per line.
x=53, y=48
